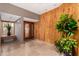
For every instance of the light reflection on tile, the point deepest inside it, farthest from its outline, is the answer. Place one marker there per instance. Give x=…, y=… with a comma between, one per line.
x=30, y=48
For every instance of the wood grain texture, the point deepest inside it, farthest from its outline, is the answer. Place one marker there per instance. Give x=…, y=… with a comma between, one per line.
x=46, y=30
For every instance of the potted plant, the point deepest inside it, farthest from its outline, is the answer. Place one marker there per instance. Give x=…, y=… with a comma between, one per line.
x=65, y=45
x=67, y=26
x=8, y=27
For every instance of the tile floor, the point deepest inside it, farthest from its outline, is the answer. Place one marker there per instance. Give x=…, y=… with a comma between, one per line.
x=30, y=48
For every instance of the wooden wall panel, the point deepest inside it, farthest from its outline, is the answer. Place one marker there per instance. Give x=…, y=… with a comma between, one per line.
x=46, y=30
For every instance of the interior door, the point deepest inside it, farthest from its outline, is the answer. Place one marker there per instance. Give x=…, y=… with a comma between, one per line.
x=28, y=30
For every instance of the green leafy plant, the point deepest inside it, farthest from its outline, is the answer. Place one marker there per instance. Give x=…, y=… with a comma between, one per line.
x=66, y=45
x=67, y=25
x=8, y=27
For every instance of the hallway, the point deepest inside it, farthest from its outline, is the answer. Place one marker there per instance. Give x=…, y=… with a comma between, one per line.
x=30, y=48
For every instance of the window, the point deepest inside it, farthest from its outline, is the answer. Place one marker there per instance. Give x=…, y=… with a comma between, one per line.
x=5, y=30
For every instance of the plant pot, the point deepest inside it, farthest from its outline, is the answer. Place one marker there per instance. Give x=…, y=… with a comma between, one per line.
x=8, y=33
x=73, y=52
x=67, y=54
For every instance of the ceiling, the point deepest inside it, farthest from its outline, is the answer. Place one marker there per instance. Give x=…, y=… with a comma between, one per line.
x=8, y=17
x=38, y=8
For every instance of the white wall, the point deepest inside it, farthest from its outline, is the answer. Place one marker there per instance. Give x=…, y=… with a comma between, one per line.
x=19, y=30
x=30, y=20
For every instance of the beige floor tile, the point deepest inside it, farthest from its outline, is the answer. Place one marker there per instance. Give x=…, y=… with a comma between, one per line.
x=30, y=48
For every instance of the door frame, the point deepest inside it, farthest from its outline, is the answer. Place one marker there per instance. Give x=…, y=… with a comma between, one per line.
x=30, y=33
